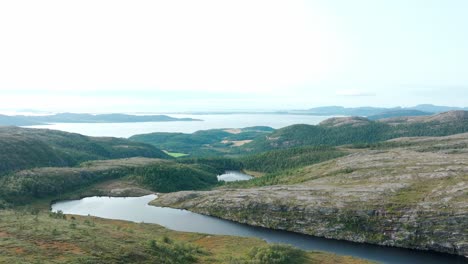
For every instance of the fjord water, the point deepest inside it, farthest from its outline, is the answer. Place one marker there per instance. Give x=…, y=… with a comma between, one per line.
x=208, y=122
x=136, y=209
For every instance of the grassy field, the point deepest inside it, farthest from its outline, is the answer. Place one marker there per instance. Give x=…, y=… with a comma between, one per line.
x=175, y=154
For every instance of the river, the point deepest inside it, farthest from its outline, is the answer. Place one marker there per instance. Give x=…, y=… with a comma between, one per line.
x=136, y=209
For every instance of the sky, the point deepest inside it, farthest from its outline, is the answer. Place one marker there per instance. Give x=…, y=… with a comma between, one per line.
x=156, y=56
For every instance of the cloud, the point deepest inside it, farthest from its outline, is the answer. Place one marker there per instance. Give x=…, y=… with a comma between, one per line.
x=355, y=93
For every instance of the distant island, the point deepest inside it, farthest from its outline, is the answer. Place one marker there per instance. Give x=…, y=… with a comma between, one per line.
x=373, y=113
x=22, y=120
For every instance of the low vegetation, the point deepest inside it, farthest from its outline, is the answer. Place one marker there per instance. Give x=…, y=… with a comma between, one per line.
x=31, y=236
x=273, y=254
x=217, y=164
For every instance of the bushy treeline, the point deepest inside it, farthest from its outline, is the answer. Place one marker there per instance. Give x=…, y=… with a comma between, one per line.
x=23, y=148
x=184, y=143
x=157, y=175
x=273, y=254
x=310, y=135
x=215, y=164
x=24, y=186
x=278, y=160
x=171, y=177
x=200, y=143
x=166, y=250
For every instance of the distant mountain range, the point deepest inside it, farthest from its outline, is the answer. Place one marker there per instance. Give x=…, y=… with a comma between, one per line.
x=372, y=113
x=22, y=120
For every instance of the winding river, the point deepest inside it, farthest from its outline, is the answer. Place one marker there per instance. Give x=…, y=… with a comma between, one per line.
x=136, y=209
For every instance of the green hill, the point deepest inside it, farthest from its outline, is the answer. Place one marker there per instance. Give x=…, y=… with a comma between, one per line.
x=205, y=142
x=352, y=130
x=23, y=148
x=154, y=174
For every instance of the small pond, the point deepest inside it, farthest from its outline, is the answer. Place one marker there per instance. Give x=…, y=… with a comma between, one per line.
x=230, y=176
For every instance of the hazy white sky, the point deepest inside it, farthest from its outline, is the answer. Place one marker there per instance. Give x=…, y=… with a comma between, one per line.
x=223, y=55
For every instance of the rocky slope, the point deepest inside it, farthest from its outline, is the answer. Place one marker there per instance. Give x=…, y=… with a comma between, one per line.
x=446, y=117
x=353, y=121
x=409, y=192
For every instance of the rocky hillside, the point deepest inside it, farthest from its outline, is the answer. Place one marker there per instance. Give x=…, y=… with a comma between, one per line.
x=353, y=121
x=447, y=117
x=408, y=192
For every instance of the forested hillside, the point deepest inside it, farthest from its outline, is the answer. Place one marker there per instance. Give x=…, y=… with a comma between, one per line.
x=205, y=142
x=154, y=174
x=352, y=130
x=22, y=148
x=283, y=159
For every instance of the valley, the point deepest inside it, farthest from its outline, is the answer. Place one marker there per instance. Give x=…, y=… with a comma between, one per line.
x=404, y=186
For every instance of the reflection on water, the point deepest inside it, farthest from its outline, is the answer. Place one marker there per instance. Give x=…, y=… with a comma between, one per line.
x=136, y=209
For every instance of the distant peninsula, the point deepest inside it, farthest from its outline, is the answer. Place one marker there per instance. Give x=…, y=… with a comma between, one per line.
x=21, y=120
x=373, y=113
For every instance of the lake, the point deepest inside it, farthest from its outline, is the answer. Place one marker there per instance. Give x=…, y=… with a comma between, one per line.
x=209, y=122
x=136, y=209
x=230, y=176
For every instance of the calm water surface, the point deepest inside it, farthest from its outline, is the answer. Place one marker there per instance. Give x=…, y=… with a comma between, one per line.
x=209, y=122
x=136, y=209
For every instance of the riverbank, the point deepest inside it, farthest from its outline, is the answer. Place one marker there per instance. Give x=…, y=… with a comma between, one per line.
x=32, y=234
x=136, y=209
x=81, y=239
